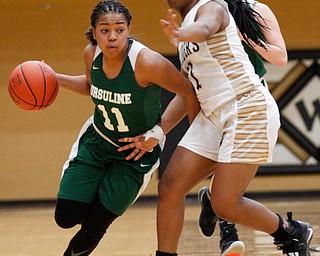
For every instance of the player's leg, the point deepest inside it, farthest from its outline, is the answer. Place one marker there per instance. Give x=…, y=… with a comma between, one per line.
x=227, y=199
x=181, y=174
x=76, y=204
x=227, y=189
x=192, y=161
x=82, y=175
x=69, y=213
x=119, y=188
x=78, y=188
x=92, y=230
x=81, y=207
x=231, y=180
x=229, y=240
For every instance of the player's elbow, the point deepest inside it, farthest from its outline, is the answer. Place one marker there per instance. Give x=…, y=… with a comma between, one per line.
x=282, y=62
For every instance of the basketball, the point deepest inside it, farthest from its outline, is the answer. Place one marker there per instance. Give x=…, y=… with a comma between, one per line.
x=33, y=85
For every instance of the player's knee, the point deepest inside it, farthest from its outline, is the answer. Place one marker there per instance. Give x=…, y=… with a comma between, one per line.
x=164, y=190
x=97, y=221
x=169, y=194
x=224, y=207
x=70, y=213
x=64, y=222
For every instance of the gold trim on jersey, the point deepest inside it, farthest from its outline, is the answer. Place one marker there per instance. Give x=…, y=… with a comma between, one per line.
x=219, y=48
x=104, y=136
x=251, y=140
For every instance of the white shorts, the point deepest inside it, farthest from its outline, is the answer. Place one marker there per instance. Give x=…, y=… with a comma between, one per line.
x=243, y=131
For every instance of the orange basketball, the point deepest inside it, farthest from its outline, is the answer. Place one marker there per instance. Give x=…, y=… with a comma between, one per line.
x=33, y=85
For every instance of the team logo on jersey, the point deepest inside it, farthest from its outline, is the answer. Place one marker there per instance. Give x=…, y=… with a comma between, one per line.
x=187, y=49
x=108, y=96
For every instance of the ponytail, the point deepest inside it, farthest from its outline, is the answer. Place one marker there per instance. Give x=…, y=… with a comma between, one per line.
x=246, y=19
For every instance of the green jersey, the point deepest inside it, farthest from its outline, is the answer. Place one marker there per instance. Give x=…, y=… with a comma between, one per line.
x=255, y=58
x=122, y=107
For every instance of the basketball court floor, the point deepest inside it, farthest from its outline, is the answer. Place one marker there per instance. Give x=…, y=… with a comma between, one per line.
x=31, y=231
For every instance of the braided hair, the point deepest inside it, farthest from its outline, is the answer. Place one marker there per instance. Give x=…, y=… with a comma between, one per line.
x=246, y=19
x=104, y=7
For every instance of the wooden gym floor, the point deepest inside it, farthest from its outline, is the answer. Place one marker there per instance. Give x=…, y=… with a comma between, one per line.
x=31, y=231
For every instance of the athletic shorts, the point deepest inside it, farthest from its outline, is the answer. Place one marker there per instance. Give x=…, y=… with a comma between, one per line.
x=243, y=131
x=96, y=168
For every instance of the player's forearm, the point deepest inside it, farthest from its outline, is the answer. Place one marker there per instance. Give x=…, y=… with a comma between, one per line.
x=197, y=32
x=192, y=106
x=77, y=84
x=273, y=54
x=173, y=114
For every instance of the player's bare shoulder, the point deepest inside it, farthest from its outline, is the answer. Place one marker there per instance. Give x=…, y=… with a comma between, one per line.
x=149, y=63
x=148, y=57
x=89, y=51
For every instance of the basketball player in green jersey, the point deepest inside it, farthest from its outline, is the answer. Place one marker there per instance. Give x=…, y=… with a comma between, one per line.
x=261, y=39
x=123, y=78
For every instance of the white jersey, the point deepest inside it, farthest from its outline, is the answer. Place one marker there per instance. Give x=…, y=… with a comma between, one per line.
x=218, y=68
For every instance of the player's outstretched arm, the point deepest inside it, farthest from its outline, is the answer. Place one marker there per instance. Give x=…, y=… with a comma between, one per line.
x=77, y=84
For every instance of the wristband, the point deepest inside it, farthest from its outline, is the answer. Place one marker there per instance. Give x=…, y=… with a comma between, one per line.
x=156, y=132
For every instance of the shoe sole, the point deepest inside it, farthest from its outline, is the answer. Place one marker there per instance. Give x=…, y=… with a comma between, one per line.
x=237, y=248
x=309, y=237
x=203, y=235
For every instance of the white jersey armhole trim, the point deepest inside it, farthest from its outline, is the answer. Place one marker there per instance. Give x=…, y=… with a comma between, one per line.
x=97, y=52
x=136, y=47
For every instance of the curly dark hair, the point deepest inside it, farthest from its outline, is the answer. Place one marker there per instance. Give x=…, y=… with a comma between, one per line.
x=103, y=7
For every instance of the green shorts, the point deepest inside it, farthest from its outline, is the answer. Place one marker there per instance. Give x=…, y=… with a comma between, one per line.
x=96, y=168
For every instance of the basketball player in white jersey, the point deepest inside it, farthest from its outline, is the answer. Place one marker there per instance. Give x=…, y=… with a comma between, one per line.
x=263, y=41
x=235, y=131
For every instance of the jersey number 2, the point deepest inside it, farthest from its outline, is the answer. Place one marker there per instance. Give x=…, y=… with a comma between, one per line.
x=189, y=68
x=122, y=127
